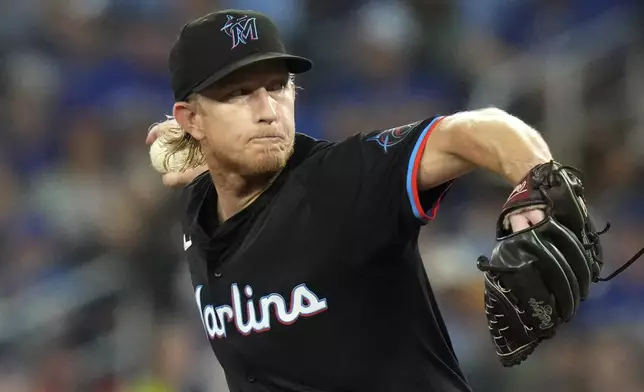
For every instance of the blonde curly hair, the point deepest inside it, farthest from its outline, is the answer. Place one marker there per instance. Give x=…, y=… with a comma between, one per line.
x=179, y=150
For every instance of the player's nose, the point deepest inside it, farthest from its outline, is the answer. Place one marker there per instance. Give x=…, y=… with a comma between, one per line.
x=265, y=106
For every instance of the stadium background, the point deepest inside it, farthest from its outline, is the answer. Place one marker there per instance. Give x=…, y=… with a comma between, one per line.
x=93, y=292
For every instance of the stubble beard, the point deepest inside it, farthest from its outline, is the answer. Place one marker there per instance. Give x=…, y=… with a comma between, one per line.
x=270, y=161
x=265, y=162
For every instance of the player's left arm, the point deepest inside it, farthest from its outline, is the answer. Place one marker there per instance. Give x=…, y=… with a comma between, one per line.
x=487, y=138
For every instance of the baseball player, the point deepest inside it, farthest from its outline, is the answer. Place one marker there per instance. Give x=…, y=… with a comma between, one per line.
x=303, y=253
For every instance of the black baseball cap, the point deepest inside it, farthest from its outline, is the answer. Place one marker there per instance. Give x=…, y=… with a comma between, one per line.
x=216, y=44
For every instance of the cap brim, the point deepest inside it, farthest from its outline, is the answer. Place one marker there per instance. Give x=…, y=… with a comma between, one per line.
x=294, y=64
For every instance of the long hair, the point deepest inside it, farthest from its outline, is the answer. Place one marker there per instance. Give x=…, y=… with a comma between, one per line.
x=180, y=150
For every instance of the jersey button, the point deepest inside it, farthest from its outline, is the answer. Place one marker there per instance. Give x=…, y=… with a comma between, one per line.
x=251, y=378
x=217, y=274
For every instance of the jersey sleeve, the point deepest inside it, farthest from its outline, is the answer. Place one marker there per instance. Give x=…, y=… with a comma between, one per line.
x=386, y=164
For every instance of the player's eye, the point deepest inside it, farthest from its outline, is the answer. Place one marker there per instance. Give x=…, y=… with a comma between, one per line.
x=277, y=85
x=240, y=92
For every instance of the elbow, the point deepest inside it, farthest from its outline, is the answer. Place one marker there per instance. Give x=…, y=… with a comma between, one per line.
x=472, y=123
x=493, y=114
x=466, y=120
x=498, y=121
x=492, y=111
x=484, y=130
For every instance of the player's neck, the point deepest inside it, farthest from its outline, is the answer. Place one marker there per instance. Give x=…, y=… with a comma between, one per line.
x=235, y=192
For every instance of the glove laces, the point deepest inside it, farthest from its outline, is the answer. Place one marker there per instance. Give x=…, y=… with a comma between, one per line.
x=594, y=236
x=483, y=263
x=618, y=270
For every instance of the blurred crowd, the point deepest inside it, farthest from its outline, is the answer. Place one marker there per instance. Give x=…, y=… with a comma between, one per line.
x=94, y=294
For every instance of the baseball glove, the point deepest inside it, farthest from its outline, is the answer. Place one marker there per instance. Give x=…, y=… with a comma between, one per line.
x=536, y=278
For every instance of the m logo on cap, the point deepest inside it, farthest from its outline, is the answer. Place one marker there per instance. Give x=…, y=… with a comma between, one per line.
x=241, y=29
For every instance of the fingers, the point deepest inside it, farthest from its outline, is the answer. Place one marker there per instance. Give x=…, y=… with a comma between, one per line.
x=519, y=222
x=152, y=136
x=181, y=179
x=523, y=220
x=535, y=216
x=173, y=180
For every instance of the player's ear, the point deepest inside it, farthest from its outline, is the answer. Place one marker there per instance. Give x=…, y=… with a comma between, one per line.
x=187, y=115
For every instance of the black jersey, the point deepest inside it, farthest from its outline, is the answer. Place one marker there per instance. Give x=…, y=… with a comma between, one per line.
x=318, y=285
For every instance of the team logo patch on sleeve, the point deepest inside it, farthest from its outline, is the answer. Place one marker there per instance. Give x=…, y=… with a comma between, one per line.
x=393, y=136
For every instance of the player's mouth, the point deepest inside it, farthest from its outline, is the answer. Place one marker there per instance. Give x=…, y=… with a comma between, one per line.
x=267, y=139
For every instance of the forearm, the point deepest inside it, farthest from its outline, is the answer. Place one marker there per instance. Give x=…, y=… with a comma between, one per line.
x=494, y=140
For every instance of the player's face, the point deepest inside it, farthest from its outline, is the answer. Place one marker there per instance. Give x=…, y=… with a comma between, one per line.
x=247, y=121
